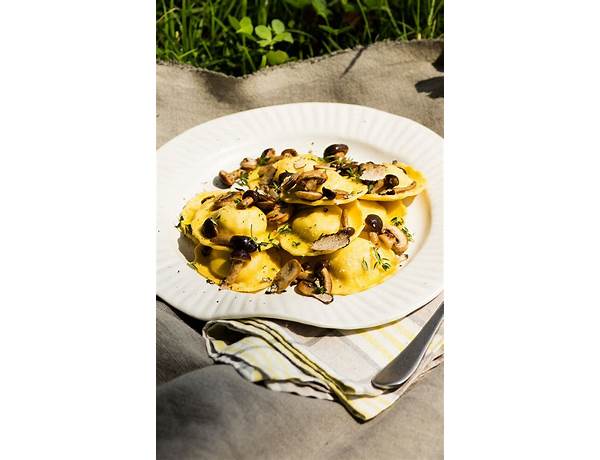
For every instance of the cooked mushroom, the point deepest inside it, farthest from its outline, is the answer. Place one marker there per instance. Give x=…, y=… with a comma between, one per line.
x=227, y=199
x=229, y=179
x=289, y=180
x=309, y=196
x=335, y=152
x=288, y=274
x=325, y=279
x=248, y=199
x=333, y=194
x=307, y=288
x=289, y=153
x=209, y=228
x=377, y=186
x=371, y=172
x=267, y=156
x=345, y=220
x=387, y=240
x=310, y=180
x=238, y=260
x=243, y=243
x=401, y=240
x=266, y=174
x=406, y=188
x=374, y=223
x=391, y=181
x=334, y=241
x=280, y=214
x=374, y=238
x=249, y=164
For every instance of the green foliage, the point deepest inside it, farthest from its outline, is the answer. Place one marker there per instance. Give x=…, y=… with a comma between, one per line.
x=238, y=37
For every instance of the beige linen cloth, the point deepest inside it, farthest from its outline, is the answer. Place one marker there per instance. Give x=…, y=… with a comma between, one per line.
x=208, y=411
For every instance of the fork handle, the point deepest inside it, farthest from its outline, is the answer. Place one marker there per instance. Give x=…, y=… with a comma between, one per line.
x=406, y=363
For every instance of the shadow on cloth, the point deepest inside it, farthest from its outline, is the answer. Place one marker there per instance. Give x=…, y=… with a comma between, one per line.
x=434, y=87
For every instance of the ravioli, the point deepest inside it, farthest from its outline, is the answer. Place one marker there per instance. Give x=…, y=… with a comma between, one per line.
x=230, y=221
x=406, y=176
x=311, y=223
x=304, y=223
x=360, y=266
x=256, y=275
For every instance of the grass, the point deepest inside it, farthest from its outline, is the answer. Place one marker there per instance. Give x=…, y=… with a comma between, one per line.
x=238, y=37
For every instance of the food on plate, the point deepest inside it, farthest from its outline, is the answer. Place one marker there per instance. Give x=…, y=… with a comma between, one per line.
x=317, y=230
x=323, y=225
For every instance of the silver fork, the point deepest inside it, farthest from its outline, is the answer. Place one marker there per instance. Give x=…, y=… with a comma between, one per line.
x=406, y=363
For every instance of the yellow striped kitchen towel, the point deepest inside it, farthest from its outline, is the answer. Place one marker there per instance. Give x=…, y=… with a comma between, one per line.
x=322, y=363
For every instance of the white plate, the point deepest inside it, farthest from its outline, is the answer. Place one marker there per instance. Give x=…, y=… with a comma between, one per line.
x=188, y=164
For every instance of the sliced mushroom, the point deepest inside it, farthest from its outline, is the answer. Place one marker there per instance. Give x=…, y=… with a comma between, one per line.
x=400, y=240
x=307, y=288
x=310, y=180
x=288, y=274
x=306, y=275
x=406, y=188
x=266, y=174
x=378, y=186
x=387, y=240
x=372, y=172
x=345, y=220
x=289, y=181
x=334, y=194
x=229, y=178
x=325, y=278
x=239, y=258
x=227, y=199
x=334, y=241
x=308, y=196
x=280, y=214
x=249, y=164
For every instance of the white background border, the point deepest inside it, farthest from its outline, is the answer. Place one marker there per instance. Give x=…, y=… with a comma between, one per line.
x=77, y=188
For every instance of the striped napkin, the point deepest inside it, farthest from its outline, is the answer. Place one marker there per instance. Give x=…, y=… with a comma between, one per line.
x=322, y=363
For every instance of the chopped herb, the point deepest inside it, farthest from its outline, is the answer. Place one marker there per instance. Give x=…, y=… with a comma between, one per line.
x=295, y=243
x=178, y=226
x=320, y=289
x=237, y=201
x=263, y=160
x=188, y=229
x=399, y=222
x=383, y=261
x=243, y=179
x=365, y=265
x=284, y=229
